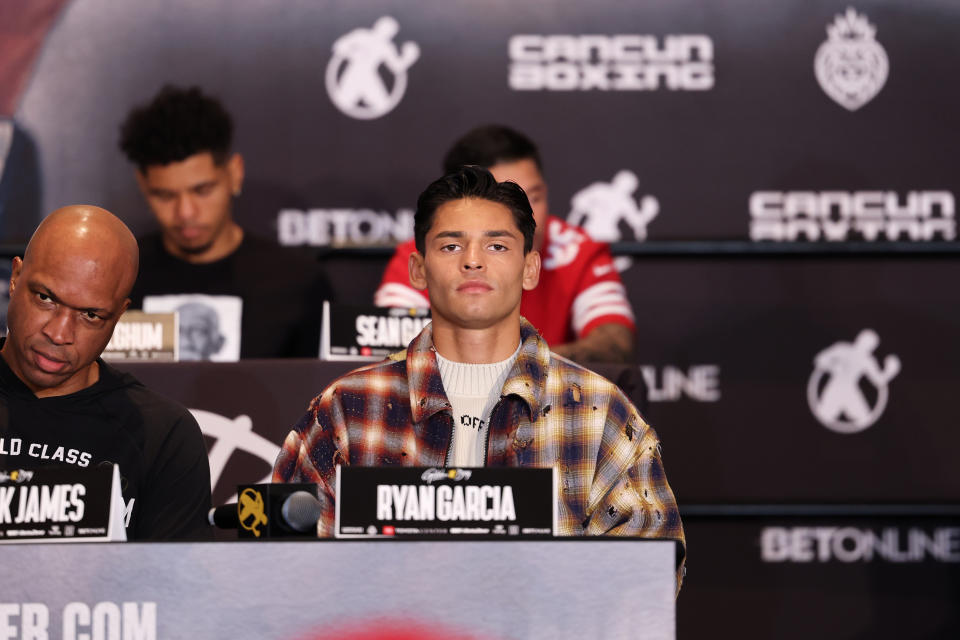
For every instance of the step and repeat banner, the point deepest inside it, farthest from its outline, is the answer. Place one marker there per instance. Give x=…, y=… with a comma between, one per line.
x=818, y=121
x=817, y=380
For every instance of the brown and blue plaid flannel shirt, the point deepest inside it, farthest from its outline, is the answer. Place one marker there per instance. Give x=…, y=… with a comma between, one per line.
x=552, y=413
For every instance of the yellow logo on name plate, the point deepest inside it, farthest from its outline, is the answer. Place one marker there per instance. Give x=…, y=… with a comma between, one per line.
x=251, y=508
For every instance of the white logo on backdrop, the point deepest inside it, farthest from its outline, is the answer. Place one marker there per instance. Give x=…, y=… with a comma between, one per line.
x=344, y=227
x=700, y=382
x=851, y=544
x=851, y=66
x=357, y=75
x=626, y=62
x=233, y=435
x=834, y=390
x=601, y=207
x=844, y=215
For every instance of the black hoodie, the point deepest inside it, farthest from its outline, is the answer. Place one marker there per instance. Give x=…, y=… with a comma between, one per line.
x=164, y=472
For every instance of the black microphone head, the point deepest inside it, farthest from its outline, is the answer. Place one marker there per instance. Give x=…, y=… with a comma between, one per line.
x=301, y=511
x=225, y=516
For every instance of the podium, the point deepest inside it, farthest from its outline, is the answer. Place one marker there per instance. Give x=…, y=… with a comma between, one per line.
x=498, y=590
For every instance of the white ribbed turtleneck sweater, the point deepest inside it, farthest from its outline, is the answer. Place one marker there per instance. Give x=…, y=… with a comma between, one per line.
x=473, y=391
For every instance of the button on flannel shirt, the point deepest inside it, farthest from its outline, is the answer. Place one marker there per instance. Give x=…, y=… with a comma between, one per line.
x=552, y=413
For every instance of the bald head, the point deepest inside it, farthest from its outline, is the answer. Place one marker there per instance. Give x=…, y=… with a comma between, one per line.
x=91, y=236
x=66, y=295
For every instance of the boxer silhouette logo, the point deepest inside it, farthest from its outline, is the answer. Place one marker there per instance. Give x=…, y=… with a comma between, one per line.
x=608, y=212
x=367, y=75
x=836, y=390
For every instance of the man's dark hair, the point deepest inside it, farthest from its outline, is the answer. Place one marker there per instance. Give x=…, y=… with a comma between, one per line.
x=488, y=145
x=175, y=125
x=473, y=182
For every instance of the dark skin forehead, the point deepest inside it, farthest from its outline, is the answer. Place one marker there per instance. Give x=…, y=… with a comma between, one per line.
x=92, y=240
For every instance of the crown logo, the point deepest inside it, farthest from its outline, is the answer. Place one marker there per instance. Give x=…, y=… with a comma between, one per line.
x=850, y=65
x=851, y=26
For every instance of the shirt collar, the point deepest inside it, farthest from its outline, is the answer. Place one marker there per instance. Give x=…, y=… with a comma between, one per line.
x=527, y=378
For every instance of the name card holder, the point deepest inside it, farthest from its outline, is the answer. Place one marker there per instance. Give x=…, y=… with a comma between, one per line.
x=416, y=502
x=368, y=333
x=145, y=337
x=61, y=504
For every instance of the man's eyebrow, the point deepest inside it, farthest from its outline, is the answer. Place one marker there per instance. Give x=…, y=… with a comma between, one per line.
x=40, y=288
x=192, y=187
x=493, y=233
x=449, y=234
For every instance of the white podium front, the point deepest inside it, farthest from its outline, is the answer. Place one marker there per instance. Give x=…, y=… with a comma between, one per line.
x=498, y=590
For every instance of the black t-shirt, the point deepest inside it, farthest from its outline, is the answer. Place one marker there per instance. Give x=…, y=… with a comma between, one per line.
x=157, y=444
x=282, y=293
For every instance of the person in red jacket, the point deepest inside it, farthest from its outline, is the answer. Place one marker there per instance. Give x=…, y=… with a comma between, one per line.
x=580, y=306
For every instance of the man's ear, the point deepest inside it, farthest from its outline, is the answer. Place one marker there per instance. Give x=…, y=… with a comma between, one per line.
x=531, y=270
x=16, y=266
x=417, y=271
x=236, y=171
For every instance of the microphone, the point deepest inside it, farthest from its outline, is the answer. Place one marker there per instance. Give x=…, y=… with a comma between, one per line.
x=225, y=516
x=271, y=511
x=300, y=511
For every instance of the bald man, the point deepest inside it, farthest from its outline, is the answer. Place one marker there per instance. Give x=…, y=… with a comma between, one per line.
x=61, y=404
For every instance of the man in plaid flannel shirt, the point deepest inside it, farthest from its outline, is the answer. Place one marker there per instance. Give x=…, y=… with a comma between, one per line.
x=474, y=251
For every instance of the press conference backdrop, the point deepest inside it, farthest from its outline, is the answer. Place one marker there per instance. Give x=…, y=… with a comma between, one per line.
x=777, y=175
x=664, y=120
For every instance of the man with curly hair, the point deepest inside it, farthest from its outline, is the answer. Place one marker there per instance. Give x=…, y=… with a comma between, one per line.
x=181, y=145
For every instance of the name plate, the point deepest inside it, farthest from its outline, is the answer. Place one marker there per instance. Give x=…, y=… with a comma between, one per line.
x=478, y=503
x=368, y=333
x=61, y=504
x=144, y=337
